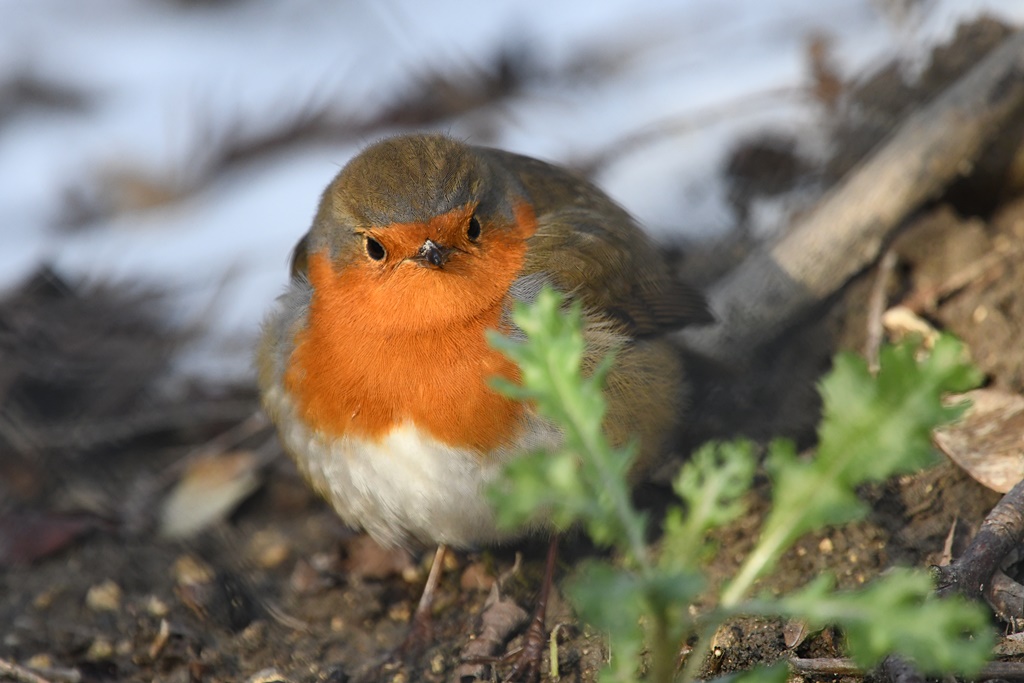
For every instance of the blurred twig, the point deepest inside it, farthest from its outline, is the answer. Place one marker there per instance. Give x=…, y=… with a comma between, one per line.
x=845, y=232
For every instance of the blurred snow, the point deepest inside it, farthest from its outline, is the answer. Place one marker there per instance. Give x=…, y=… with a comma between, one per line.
x=158, y=88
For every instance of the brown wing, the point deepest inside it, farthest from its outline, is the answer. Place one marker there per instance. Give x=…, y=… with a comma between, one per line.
x=592, y=247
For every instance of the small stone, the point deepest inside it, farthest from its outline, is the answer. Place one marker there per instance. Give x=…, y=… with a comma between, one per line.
x=156, y=607
x=104, y=597
x=254, y=637
x=399, y=612
x=412, y=574
x=101, y=649
x=270, y=675
x=40, y=662
x=190, y=570
x=45, y=599
x=826, y=546
x=269, y=548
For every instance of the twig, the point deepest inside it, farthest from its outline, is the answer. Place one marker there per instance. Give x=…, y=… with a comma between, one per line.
x=987, y=267
x=681, y=125
x=845, y=232
x=19, y=673
x=83, y=435
x=876, y=307
x=1006, y=597
x=835, y=666
x=1003, y=529
x=1011, y=671
x=899, y=670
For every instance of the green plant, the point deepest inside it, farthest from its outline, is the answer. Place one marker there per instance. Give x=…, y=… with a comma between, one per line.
x=873, y=427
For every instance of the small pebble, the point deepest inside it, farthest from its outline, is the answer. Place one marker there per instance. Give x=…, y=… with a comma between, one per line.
x=156, y=607
x=254, y=636
x=40, y=662
x=104, y=597
x=45, y=599
x=101, y=649
x=269, y=548
x=190, y=570
x=270, y=675
x=399, y=612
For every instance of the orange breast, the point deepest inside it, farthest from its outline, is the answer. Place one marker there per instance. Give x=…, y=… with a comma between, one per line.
x=378, y=353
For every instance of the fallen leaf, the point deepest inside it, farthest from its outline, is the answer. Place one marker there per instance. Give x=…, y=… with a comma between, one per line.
x=29, y=536
x=988, y=441
x=210, y=489
x=901, y=322
x=1010, y=646
x=794, y=633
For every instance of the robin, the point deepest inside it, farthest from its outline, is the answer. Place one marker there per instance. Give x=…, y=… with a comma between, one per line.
x=374, y=364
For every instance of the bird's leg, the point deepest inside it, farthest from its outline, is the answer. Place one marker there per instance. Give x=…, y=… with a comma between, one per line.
x=421, y=625
x=527, y=663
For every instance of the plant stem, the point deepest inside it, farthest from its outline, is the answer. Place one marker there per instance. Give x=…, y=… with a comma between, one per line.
x=764, y=553
x=611, y=483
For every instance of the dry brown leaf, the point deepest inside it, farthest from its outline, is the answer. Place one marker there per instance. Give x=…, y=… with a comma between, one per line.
x=1010, y=646
x=209, y=490
x=901, y=322
x=988, y=441
x=794, y=633
x=29, y=536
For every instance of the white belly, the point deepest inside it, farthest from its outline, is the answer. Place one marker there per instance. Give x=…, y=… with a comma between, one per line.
x=406, y=486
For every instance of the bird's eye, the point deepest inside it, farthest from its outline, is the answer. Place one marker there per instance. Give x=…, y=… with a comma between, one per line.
x=473, y=232
x=374, y=249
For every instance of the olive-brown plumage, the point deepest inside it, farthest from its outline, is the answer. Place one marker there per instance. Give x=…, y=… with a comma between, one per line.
x=374, y=364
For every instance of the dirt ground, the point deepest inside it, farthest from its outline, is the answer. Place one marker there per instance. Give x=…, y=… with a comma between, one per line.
x=90, y=590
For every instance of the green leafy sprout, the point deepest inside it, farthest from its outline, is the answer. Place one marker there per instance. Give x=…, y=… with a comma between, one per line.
x=873, y=427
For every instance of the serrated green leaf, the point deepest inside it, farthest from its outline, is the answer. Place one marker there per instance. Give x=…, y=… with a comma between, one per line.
x=899, y=613
x=550, y=362
x=873, y=428
x=712, y=484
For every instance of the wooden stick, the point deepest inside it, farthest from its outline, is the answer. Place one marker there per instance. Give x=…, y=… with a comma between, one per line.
x=845, y=232
x=1011, y=671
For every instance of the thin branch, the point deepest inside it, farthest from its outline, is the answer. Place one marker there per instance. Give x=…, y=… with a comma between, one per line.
x=783, y=280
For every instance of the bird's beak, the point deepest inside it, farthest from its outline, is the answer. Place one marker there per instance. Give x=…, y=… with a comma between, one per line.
x=432, y=254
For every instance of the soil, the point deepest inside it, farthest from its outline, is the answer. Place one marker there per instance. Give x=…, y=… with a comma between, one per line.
x=90, y=589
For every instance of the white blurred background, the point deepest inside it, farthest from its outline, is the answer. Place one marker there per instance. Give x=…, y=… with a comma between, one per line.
x=184, y=143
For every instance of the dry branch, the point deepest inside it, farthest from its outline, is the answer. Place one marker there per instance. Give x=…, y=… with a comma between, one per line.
x=847, y=229
x=972, y=574
x=1010, y=671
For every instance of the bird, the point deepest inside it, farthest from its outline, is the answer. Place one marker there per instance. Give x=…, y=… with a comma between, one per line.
x=374, y=364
